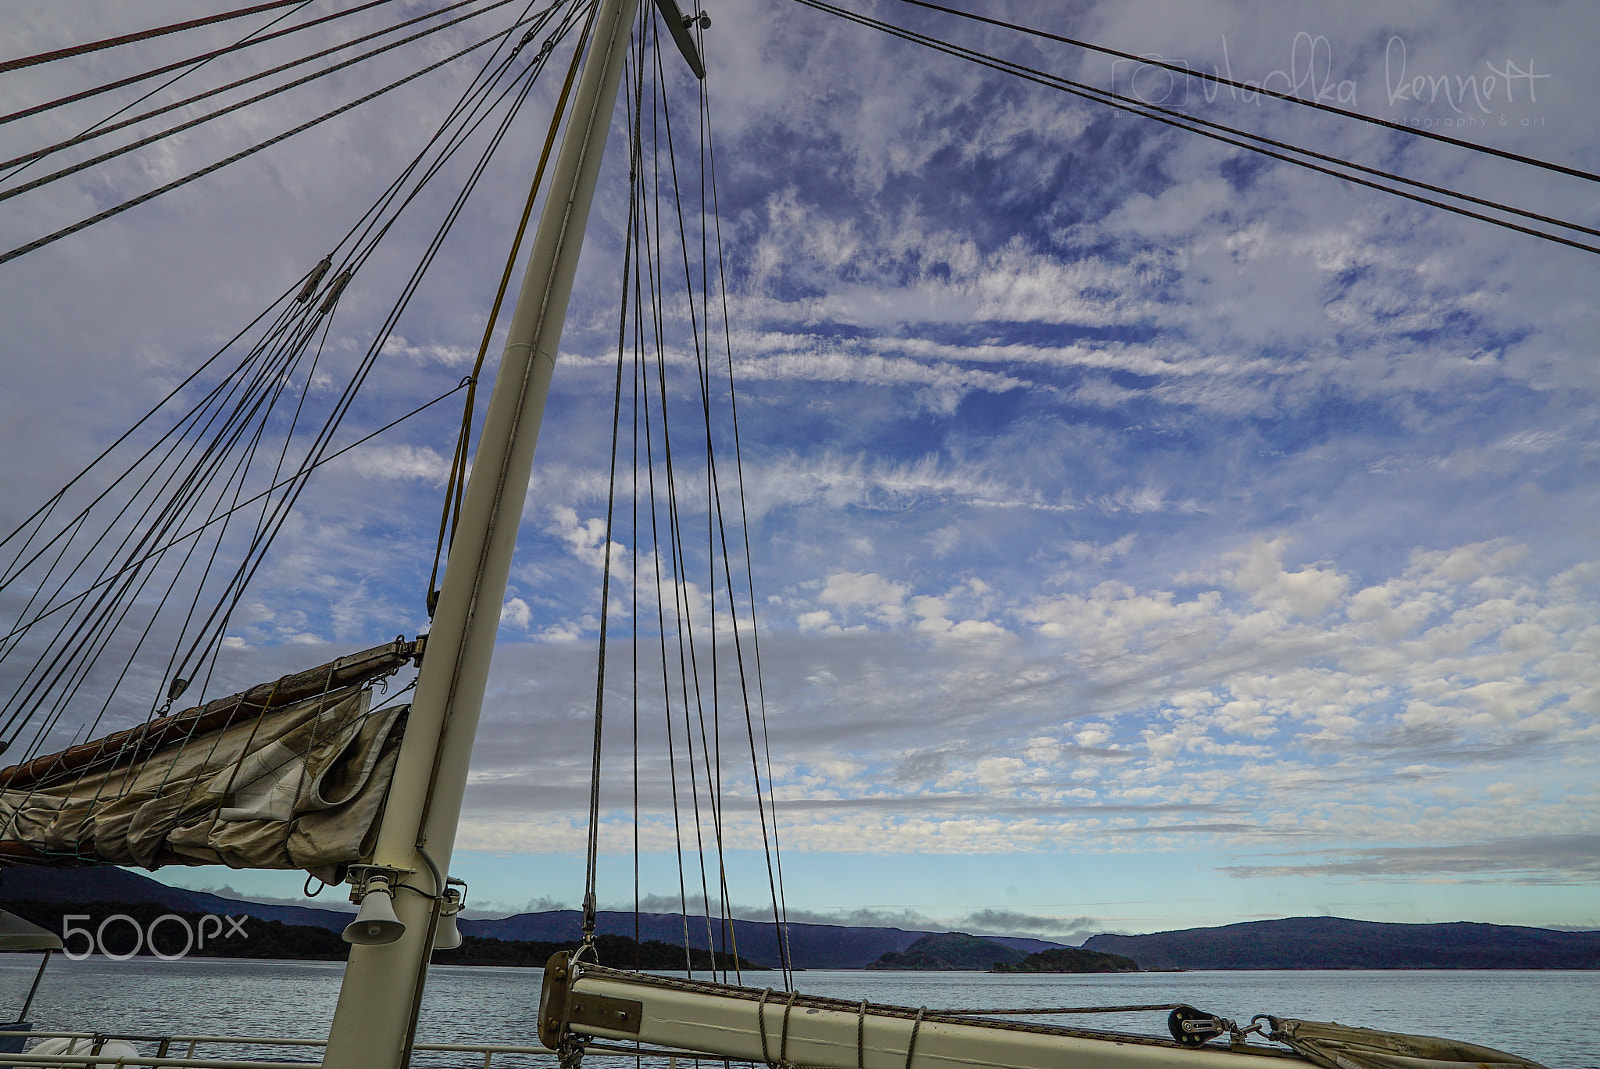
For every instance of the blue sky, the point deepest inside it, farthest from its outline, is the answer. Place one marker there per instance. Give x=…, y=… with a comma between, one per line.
x=1145, y=534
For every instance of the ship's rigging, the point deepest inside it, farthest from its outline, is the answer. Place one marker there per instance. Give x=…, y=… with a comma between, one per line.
x=218, y=464
x=129, y=557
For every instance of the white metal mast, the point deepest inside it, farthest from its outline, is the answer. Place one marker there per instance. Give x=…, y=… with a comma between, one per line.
x=374, y=1015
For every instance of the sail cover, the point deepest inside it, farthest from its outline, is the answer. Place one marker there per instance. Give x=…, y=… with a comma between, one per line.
x=1337, y=1046
x=290, y=774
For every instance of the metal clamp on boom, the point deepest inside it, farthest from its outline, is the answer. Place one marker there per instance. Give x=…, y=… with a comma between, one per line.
x=561, y=1008
x=553, y=997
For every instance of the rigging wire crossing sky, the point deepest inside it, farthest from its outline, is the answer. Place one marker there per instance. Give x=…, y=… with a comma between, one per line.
x=1145, y=532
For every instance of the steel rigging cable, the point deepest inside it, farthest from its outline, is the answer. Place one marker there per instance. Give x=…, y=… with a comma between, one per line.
x=67, y=231
x=246, y=503
x=1289, y=97
x=189, y=68
x=303, y=285
x=254, y=38
x=690, y=689
x=141, y=35
x=455, y=487
x=272, y=520
x=1205, y=128
x=220, y=112
x=772, y=852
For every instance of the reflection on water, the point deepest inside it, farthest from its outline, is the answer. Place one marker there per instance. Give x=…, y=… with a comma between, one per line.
x=1552, y=1017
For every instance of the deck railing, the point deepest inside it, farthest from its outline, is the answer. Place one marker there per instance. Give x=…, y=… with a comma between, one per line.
x=183, y=1051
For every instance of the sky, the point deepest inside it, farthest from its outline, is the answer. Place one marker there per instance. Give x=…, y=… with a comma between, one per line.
x=1144, y=534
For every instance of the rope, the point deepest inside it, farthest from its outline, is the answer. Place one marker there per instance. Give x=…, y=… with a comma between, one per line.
x=194, y=532
x=13, y=570
x=258, y=548
x=593, y=860
x=783, y=1034
x=916, y=1026
x=250, y=404
x=90, y=130
x=100, y=130
x=1289, y=97
x=761, y=1024
x=188, y=490
x=252, y=356
x=688, y=663
x=696, y=682
x=220, y=112
x=643, y=232
x=384, y=200
x=458, y=467
x=1181, y=121
x=635, y=64
x=253, y=38
x=770, y=850
x=783, y=1040
x=142, y=35
x=134, y=202
x=686, y=631
x=1040, y=1012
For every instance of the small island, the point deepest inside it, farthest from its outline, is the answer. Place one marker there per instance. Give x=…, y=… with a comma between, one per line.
x=949, y=952
x=957, y=951
x=1069, y=959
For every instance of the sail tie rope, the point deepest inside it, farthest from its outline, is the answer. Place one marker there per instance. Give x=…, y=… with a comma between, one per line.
x=761, y=1024
x=782, y=1061
x=783, y=1038
x=916, y=1026
x=861, y=1035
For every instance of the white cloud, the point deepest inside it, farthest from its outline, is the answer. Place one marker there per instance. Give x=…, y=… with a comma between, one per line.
x=1187, y=415
x=876, y=595
x=1307, y=592
x=516, y=613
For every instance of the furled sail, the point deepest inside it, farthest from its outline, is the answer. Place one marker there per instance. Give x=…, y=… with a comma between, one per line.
x=1337, y=1046
x=288, y=774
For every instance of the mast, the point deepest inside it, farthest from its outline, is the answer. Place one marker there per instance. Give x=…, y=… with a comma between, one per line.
x=382, y=983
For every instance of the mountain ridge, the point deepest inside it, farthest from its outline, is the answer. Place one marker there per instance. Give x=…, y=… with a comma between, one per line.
x=812, y=946
x=1339, y=943
x=1289, y=943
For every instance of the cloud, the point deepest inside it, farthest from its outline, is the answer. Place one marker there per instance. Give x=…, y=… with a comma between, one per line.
x=1307, y=592
x=1107, y=489
x=1537, y=860
x=402, y=462
x=1120, y=718
x=516, y=613
x=874, y=594
x=1071, y=930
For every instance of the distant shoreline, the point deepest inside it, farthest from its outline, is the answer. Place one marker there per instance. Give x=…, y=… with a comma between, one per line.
x=1299, y=944
x=59, y=962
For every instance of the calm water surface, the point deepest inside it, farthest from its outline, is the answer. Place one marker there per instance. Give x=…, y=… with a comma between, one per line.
x=1552, y=1017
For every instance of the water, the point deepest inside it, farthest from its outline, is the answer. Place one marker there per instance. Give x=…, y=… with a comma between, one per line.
x=1551, y=1017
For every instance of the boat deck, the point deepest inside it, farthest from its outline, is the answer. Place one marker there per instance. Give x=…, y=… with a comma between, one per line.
x=202, y=1052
